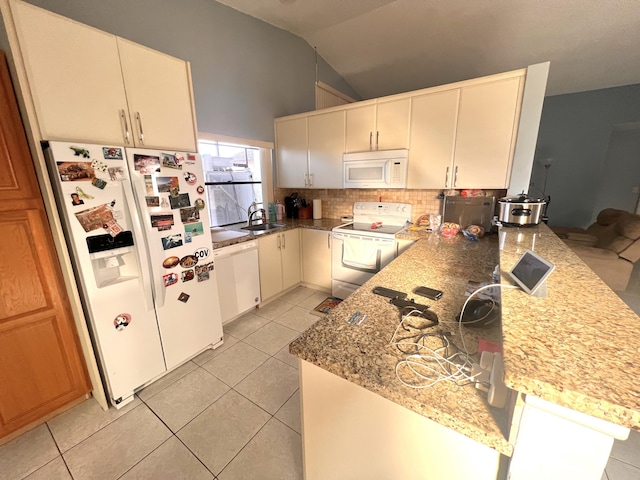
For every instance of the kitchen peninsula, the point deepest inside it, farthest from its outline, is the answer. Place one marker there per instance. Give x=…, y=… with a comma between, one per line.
x=570, y=362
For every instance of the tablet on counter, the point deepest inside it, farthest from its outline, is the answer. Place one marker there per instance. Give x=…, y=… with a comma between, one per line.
x=531, y=271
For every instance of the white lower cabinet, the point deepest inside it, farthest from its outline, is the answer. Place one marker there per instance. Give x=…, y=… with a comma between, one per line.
x=316, y=258
x=279, y=259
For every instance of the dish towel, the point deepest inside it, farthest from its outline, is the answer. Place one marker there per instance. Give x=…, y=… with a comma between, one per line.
x=363, y=255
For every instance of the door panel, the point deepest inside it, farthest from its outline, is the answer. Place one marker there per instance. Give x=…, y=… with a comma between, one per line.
x=42, y=368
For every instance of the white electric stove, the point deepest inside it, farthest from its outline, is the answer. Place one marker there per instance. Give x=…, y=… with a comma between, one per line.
x=362, y=248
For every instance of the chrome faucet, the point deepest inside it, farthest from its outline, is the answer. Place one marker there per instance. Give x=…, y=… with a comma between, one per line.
x=252, y=210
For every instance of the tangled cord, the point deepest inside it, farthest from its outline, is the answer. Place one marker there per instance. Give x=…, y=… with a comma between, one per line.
x=445, y=362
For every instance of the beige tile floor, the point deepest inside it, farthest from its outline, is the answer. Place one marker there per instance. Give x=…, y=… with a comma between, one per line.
x=231, y=413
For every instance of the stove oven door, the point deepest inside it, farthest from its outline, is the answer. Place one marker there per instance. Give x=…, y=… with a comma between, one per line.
x=357, y=258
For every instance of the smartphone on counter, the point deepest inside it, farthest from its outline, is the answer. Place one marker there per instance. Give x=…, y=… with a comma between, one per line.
x=431, y=293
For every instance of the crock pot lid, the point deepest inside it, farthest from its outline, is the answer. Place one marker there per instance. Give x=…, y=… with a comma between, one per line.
x=521, y=199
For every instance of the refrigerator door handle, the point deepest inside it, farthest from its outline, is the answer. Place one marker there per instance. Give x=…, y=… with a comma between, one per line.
x=143, y=254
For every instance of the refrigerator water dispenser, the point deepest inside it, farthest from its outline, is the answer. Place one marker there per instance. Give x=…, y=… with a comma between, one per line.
x=112, y=258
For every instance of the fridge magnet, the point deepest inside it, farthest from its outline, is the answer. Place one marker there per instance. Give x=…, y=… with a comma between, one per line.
x=98, y=182
x=165, y=203
x=146, y=163
x=162, y=221
x=94, y=218
x=99, y=165
x=168, y=185
x=170, y=161
x=202, y=253
x=112, y=227
x=194, y=229
x=170, y=279
x=199, y=204
x=122, y=321
x=172, y=241
x=183, y=297
x=206, y=267
x=191, y=157
x=170, y=262
x=189, y=215
x=80, y=152
x=148, y=185
x=188, y=237
x=188, y=261
x=81, y=194
x=190, y=178
x=200, y=189
x=112, y=153
x=76, y=200
x=116, y=173
x=187, y=275
x=180, y=201
x=179, y=158
x=75, y=171
x=202, y=276
x=152, y=201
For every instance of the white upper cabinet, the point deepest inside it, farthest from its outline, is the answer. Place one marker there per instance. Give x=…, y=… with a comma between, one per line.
x=433, y=135
x=486, y=134
x=158, y=90
x=291, y=152
x=74, y=77
x=91, y=86
x=378, y=126
x=326, y=147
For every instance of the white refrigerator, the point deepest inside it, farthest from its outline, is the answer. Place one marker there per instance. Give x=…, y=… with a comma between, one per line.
x=137, y=227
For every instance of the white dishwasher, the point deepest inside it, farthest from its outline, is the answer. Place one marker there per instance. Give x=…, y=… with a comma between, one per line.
x=238, y=278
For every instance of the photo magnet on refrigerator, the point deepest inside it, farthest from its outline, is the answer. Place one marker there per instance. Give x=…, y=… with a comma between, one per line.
x=200, y=189
x=76, y=200
x=187, y=275
x=172, y=241
x=170, y=161
x=122, y=321
x=112, y=153
x=98, y=182
x=116, y=173
x=190, y=178
x=75, y=171
x=99, y=165
x=170, y=279
x=183, y=297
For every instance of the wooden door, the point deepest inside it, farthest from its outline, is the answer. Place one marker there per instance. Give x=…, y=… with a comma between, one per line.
x=41, y=365
x=158, y=90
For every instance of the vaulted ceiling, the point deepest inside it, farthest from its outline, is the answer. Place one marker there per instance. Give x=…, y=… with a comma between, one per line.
x=381, y=47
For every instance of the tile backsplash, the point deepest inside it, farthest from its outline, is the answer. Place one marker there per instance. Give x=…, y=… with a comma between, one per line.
x=336, y=203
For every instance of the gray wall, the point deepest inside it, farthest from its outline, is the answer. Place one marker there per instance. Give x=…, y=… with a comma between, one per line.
x=575, y=132
x=245, y=72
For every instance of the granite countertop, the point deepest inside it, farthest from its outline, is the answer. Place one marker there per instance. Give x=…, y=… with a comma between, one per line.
x=577, y=347
x=362, y=354
x=230, y=235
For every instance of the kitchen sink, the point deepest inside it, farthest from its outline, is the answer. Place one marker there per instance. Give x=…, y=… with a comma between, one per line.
x=263, y=227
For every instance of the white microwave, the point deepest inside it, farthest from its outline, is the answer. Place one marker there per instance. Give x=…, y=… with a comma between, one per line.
x=376, y=169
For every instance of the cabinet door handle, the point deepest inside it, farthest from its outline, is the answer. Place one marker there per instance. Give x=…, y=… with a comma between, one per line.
x=310, y=180
x=329, y=241
x=370, y=140
x=305, y=180
x=139, y=119
x=446, y=178
x=283, y=243
x=279, y=243
x=455, y=177
x=125, y=124
x=377, y=138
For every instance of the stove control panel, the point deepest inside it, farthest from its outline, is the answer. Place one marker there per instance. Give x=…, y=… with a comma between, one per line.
x=387, y=213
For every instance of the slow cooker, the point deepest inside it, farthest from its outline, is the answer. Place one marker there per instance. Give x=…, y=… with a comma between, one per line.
x=520, y=211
